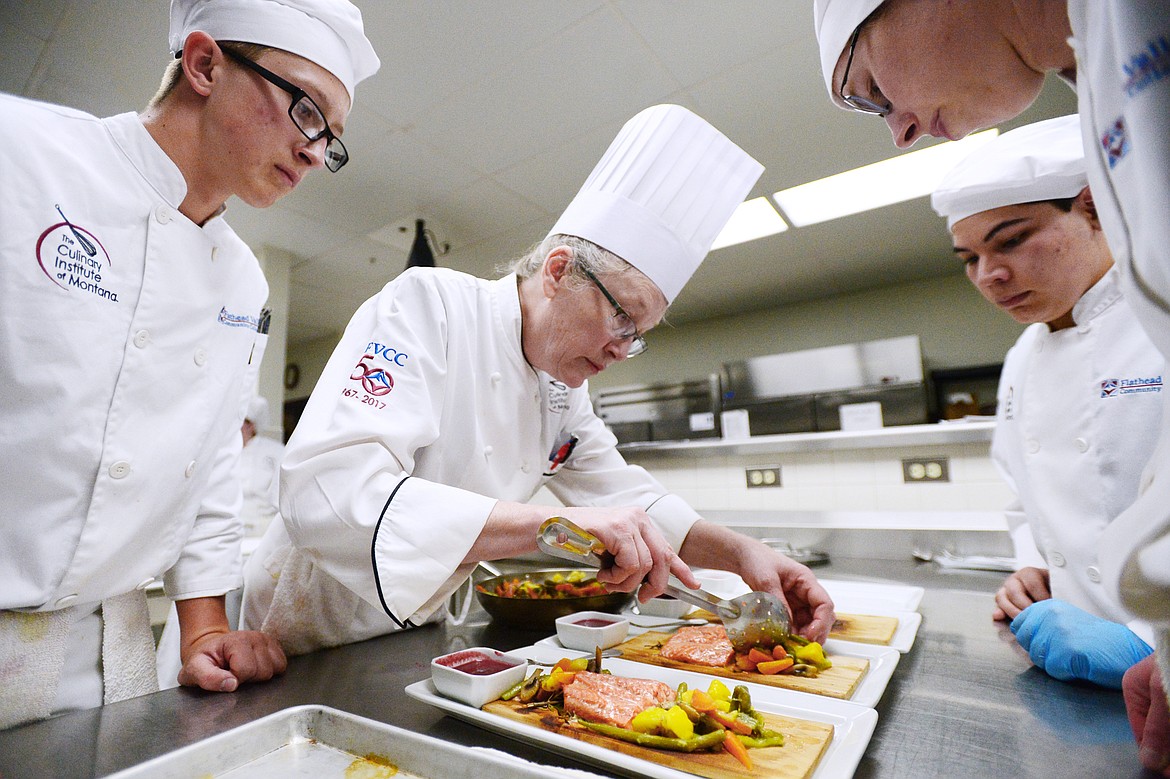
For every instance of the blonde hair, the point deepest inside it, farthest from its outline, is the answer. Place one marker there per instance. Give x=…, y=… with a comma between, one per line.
x=174, y=70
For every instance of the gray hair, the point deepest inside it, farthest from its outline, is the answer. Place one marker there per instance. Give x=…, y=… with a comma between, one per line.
x=586, y=255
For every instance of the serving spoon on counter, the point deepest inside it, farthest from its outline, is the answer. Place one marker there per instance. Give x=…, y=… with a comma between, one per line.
x=755, y=619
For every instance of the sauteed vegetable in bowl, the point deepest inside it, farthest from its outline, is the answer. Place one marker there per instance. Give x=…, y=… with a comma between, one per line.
x=536, y=599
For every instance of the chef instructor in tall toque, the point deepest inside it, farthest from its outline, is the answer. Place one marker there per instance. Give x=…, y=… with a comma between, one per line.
x=451, y=400
x=131, y=336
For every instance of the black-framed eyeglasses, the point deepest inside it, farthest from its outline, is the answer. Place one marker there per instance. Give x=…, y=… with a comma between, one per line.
x=303, y=111
x=856, y=102
x=621, y=326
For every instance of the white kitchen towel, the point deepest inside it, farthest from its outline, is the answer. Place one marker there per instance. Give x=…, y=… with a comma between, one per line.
x=310, y=610
x=32, y=652
x=127, y=647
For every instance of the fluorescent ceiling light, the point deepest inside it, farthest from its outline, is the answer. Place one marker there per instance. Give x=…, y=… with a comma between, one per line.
x=884, y=183
x=752, y=219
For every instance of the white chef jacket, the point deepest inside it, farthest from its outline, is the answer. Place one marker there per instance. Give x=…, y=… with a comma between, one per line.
x=426, y=414
x=260, y=479
x=1123, y=90
x=128, y=351
x=1077, y=419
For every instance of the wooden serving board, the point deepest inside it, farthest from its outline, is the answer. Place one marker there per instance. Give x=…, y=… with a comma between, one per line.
x=840, y=681
x=864, y=628
x=804, y=743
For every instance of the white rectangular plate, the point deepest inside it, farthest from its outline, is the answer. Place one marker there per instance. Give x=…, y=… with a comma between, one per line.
x=859, y=597
x=852, y=724
x=882, y=662
x=853, y=596
x=904, y=634
x=903, y=639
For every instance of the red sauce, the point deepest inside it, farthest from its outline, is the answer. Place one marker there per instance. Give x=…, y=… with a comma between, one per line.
x=475, y=664
x=594, y=622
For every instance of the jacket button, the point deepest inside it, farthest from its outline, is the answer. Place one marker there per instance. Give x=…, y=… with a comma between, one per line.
x=524, y=468
x=142, y=338
x=142, y=585
x=214, y=253
x=1082, y=445
x=190, y=469
x=496, y=377
x=162, y=215
x=1094, y=574
x=1033, y=445
x=200, y=356
x=1084, y=328
x=120, y=470
x=487, y=451
x=68, y=600
x=1057, y=559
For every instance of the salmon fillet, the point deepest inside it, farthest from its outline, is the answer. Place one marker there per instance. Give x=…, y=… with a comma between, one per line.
x=701, y=645
x=612, y=699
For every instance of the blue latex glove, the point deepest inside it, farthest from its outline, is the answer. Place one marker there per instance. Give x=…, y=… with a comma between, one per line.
x=1070, y=643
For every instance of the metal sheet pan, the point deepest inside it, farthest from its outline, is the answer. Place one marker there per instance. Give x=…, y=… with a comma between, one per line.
x=319, y=742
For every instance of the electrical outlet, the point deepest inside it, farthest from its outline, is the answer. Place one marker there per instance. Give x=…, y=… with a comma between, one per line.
x=917, y=470
x=767, y=476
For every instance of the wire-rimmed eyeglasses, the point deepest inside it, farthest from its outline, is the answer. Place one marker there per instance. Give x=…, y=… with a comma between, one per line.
x=856, y=102
x=303, y=111
x=621, y=326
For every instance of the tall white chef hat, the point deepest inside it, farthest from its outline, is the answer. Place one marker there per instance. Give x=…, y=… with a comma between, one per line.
x=327, y=32
x=662, y=192
x=1041, y=161
x=834, y=22
x=257, y=411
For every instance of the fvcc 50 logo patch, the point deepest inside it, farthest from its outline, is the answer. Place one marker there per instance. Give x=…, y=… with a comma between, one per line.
x=374, y=379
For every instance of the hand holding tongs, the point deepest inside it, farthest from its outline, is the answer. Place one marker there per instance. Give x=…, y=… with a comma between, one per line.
x=755, y=619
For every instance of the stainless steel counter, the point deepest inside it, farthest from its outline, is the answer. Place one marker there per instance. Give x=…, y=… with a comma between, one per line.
x=964, y=702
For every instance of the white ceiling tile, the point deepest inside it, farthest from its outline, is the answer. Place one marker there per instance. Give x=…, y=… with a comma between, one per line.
x=486, y=117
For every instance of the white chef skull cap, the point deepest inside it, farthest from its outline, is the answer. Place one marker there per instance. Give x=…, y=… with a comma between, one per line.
x=1041, y=161
x=257, y=411
x=834, y=22
x=662, y=192
x=327, y=32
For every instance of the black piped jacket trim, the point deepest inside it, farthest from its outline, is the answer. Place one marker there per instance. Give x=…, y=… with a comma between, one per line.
x=374, y=561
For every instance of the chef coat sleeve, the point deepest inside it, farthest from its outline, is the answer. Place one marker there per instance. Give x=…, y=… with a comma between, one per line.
x=347, y=495
x=596, y=474
x=1136, y=545
x=210, y=563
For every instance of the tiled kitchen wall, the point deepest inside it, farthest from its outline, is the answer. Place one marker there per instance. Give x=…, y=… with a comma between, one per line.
x=843, y=480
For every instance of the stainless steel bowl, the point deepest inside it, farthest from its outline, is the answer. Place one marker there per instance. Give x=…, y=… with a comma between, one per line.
x=542, y=613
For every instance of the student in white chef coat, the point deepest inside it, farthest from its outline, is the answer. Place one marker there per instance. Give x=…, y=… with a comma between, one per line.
x=930, y=68
x=131, y=335
x=451, y=400
x=1079, y=400
x=259, y=470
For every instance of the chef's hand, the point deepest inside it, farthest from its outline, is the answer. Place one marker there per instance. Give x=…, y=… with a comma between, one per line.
x=217, y=658
x=763, y=568
x=1070, y=643
x=1145, y=703
x=222, y=661
x=1019, y=591
x=641, y=555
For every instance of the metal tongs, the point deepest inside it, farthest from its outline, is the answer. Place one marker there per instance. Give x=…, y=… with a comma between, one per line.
x=755, y=619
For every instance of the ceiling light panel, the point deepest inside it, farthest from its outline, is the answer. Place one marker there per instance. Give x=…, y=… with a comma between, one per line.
x=884, y=183
x=752, y=219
